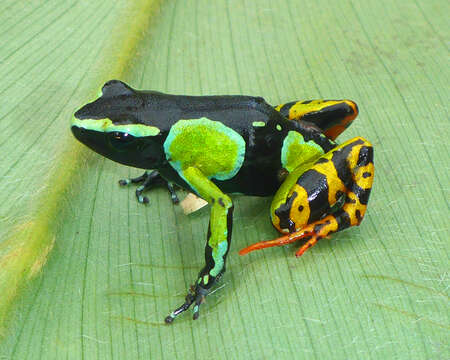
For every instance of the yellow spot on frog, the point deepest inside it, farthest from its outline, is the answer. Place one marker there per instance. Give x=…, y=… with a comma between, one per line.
x=278, y=108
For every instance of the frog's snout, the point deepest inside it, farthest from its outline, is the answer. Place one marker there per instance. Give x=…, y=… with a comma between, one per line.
x=78, y=132
x=78, y=114
x=84, y=112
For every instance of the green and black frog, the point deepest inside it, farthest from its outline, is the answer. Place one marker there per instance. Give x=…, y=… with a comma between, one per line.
x=214, y=146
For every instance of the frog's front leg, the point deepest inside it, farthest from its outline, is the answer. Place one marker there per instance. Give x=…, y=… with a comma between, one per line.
x=217, y=241
x=148, y=180
x=330, y=196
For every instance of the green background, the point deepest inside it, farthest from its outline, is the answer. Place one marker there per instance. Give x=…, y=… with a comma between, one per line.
x=117, y=267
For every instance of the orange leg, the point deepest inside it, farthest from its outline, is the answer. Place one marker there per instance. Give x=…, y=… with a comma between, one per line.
x=283, y=240
x=315, y=231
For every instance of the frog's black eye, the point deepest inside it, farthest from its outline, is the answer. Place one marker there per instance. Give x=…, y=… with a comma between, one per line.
x=120, y=140
x=122, y=136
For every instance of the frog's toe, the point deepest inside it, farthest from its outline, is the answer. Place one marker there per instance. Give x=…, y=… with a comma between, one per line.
x=310, y=243
x=124, y=182
x=200, y=297
x=173, y=194
x=317, y=230
x=136, y=180
x=195, y=296
x=186, y=305
x=142, y=199
x=148, y=180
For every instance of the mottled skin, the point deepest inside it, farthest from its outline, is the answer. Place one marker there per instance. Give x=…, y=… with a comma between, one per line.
x=217, y=145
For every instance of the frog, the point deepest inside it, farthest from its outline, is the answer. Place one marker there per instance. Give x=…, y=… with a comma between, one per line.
x=219, y=145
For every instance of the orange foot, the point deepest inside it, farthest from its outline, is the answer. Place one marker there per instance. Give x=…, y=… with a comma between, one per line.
x=314, y=231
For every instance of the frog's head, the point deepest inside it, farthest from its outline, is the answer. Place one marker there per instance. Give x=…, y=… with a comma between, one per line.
x=111, y=126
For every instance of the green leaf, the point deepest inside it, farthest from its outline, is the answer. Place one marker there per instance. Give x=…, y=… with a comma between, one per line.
x=87, y=272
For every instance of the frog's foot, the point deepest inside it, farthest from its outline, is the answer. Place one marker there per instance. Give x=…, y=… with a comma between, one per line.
x=148, y=180
x=314, y=232
x=195, y=296
x=317, y=230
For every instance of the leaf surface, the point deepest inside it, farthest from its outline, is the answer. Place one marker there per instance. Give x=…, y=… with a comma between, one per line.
x=115, y=268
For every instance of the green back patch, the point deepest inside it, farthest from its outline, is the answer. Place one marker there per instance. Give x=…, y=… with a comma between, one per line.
x=215, y=149
x=296, y=151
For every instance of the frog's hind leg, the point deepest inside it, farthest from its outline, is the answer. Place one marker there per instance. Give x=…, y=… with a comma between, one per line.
x=149, y=180
x=345, y=173
x=330, y=116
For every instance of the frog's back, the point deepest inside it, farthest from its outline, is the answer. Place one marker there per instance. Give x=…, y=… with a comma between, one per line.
x=209, y=124
x=238, y=112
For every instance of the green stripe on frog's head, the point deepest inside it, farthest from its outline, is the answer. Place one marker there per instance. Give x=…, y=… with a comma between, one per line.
x=111, y=125
x=107, y=126
x=129, y=144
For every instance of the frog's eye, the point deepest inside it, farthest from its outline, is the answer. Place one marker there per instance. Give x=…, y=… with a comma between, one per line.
x=122, y=136
x=119, y=140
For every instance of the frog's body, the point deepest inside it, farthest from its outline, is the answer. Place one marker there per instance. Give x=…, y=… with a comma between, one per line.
x=243, y=117
x=217, y=145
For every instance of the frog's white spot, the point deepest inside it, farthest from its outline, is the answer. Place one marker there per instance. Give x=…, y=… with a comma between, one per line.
x=279, y=127
x=258, y=123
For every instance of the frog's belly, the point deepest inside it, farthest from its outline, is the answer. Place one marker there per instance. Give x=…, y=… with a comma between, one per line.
x=252, y=180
